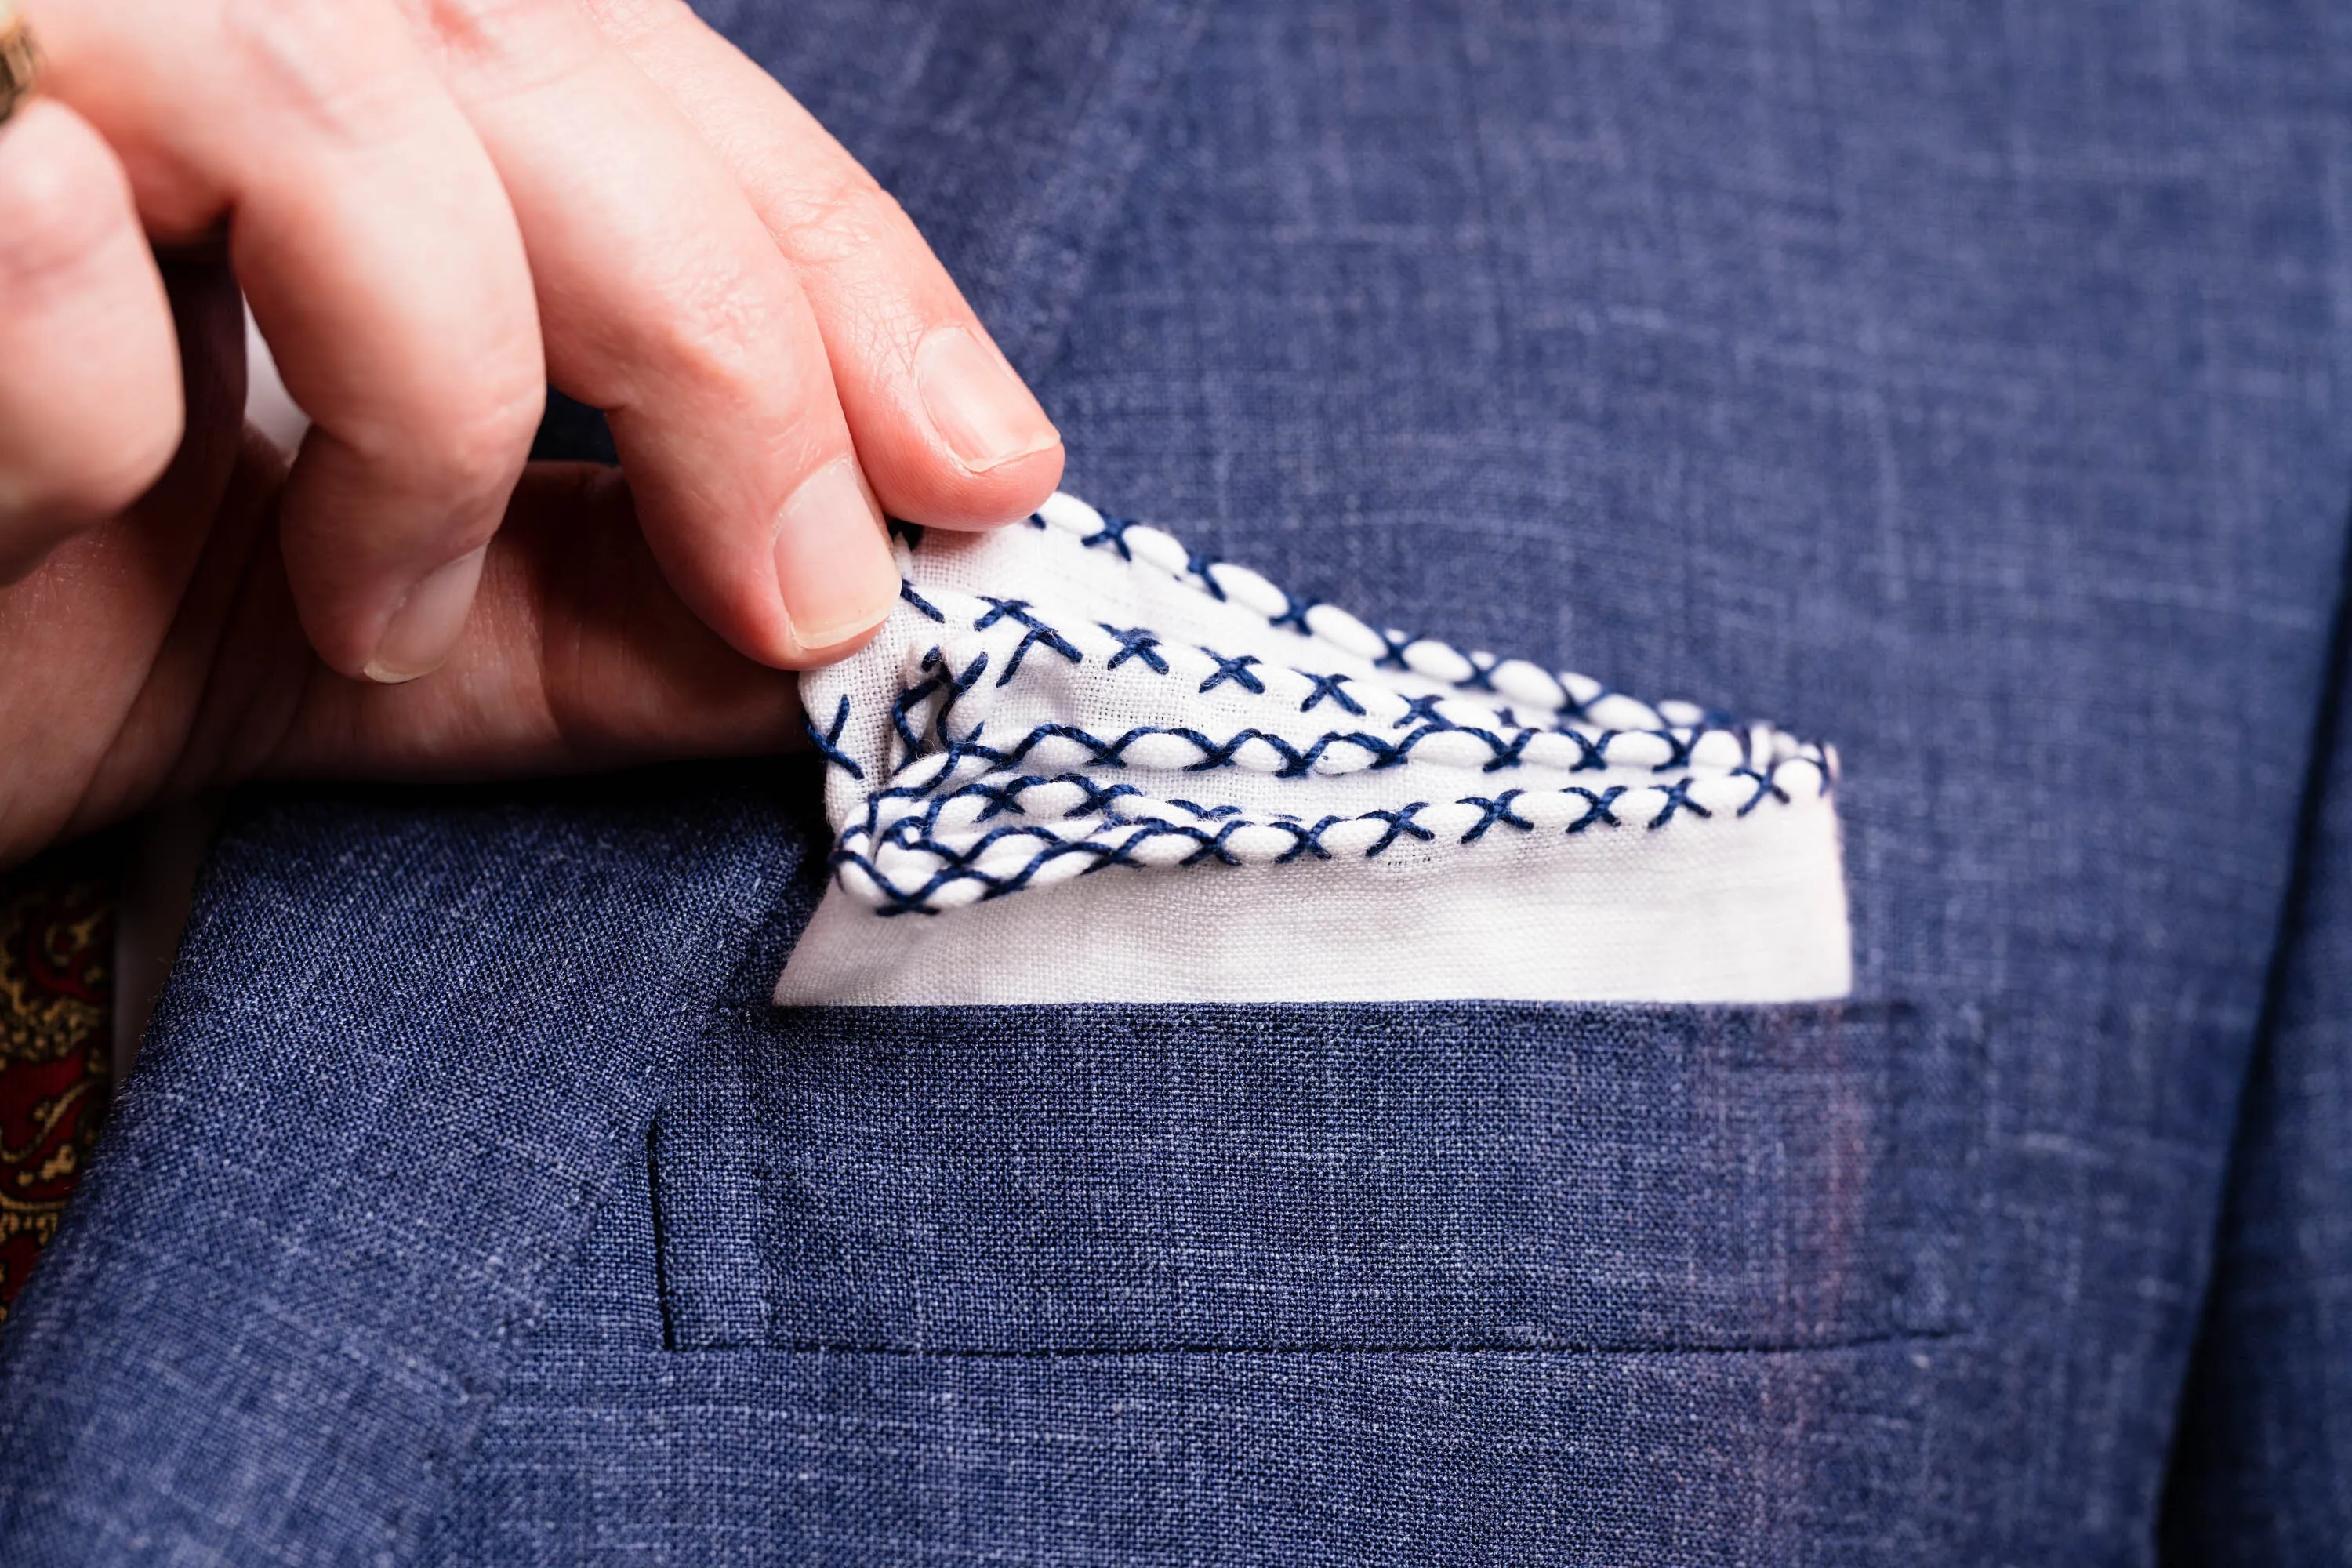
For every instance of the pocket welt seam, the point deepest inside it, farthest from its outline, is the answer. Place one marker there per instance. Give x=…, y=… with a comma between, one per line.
x=735, y=1274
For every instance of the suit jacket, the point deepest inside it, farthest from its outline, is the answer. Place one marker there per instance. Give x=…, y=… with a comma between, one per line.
x=1965, y=385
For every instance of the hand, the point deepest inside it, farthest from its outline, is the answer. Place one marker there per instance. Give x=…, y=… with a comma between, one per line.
x=434, y=207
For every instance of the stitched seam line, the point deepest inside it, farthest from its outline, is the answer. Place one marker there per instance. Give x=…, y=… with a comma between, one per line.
x=1327, y=624
x=1245, y=674
x=1323, y=754
x=957, y=861
x=1119, y=823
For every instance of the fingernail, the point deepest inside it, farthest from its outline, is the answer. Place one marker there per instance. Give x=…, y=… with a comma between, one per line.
x=977, y=403
x=832, y=558
x=423, y=630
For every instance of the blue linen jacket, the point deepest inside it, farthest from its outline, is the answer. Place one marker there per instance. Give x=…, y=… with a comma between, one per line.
x=1968, y=386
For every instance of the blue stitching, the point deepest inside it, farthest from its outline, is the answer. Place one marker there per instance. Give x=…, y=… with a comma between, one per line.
x=1017, y=611
x=1681, y=755
x=958, y=685
x=1423, y=711
x=1135, y=642
x=959, y=864
x=1597, y=807
x=1113, y=533
x=1677, y=799
x=1507, y=753
x=1199, y=564
x=1592, y=755
x=904, y=704
x=1333, y=687
x=1101, y=799
x=829, y=743
x=999, y=799
x=920, y=829
x=907, y=592
x=1216, y=847
x=1309, y=839
x=918, y=832
x=1139, y=643
x=1206, y=810
x=1294, y=617
x=1764, y=787
x=1495, y=810
x=1235, y=669
x=1575, y=709
x=1296, y=760
x=1400, y=821
x=917, y=829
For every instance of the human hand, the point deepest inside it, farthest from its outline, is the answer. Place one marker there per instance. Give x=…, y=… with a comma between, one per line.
x=436, y=207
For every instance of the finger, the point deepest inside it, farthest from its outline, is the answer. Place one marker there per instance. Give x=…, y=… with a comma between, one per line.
x=103, y=648
x=581, y=655
x=382, y=265
x=947, y=431
x=665, y=303
x=90, y=377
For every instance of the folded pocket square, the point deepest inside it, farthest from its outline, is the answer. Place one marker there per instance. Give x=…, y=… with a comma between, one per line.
x=1080, y=763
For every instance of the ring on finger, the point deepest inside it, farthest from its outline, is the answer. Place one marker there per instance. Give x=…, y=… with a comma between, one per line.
x=20, y=62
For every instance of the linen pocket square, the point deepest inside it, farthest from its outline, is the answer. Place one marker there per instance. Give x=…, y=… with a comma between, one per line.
x=1081, y=764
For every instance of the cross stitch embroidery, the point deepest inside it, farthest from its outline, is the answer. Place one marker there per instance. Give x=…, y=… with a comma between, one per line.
x=1082, y=760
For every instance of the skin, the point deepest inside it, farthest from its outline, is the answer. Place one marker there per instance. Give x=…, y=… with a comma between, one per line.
x=435, y=209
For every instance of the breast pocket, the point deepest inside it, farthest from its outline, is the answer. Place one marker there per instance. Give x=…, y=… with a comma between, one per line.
x=1460, y=1175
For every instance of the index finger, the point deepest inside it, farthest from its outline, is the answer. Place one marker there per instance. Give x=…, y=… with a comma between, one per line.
x=375, y=242
x=948, y=432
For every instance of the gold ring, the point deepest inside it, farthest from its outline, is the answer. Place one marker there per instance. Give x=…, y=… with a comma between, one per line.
x=20, y=62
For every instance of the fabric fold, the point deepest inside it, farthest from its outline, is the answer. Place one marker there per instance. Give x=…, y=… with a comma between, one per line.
x=383, y=1099
x=1081, y=762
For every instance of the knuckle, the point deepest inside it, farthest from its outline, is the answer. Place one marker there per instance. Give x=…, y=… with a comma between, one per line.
x=632, y=21
x=844, y=216
x=512, y=45
x=460, y=444
x=320, y=60
x=714, y=317
x=480, y=442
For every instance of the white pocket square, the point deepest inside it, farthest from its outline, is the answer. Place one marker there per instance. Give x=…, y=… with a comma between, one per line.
x=1079, y=764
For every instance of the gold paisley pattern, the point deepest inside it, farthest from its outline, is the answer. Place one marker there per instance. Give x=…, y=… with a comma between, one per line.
x=56, y=1007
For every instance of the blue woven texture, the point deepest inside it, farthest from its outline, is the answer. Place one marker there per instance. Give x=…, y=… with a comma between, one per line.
x=1967, y=388
x=2265, y=1470
x=1455, y=1177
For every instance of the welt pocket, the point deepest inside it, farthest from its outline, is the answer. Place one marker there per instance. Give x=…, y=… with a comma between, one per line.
x=1382, y=1176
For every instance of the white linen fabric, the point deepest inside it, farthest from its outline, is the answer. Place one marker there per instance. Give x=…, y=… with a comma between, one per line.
x=1080, y=763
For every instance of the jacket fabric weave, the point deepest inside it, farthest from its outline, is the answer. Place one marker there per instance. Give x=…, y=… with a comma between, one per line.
x=1968, y=387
